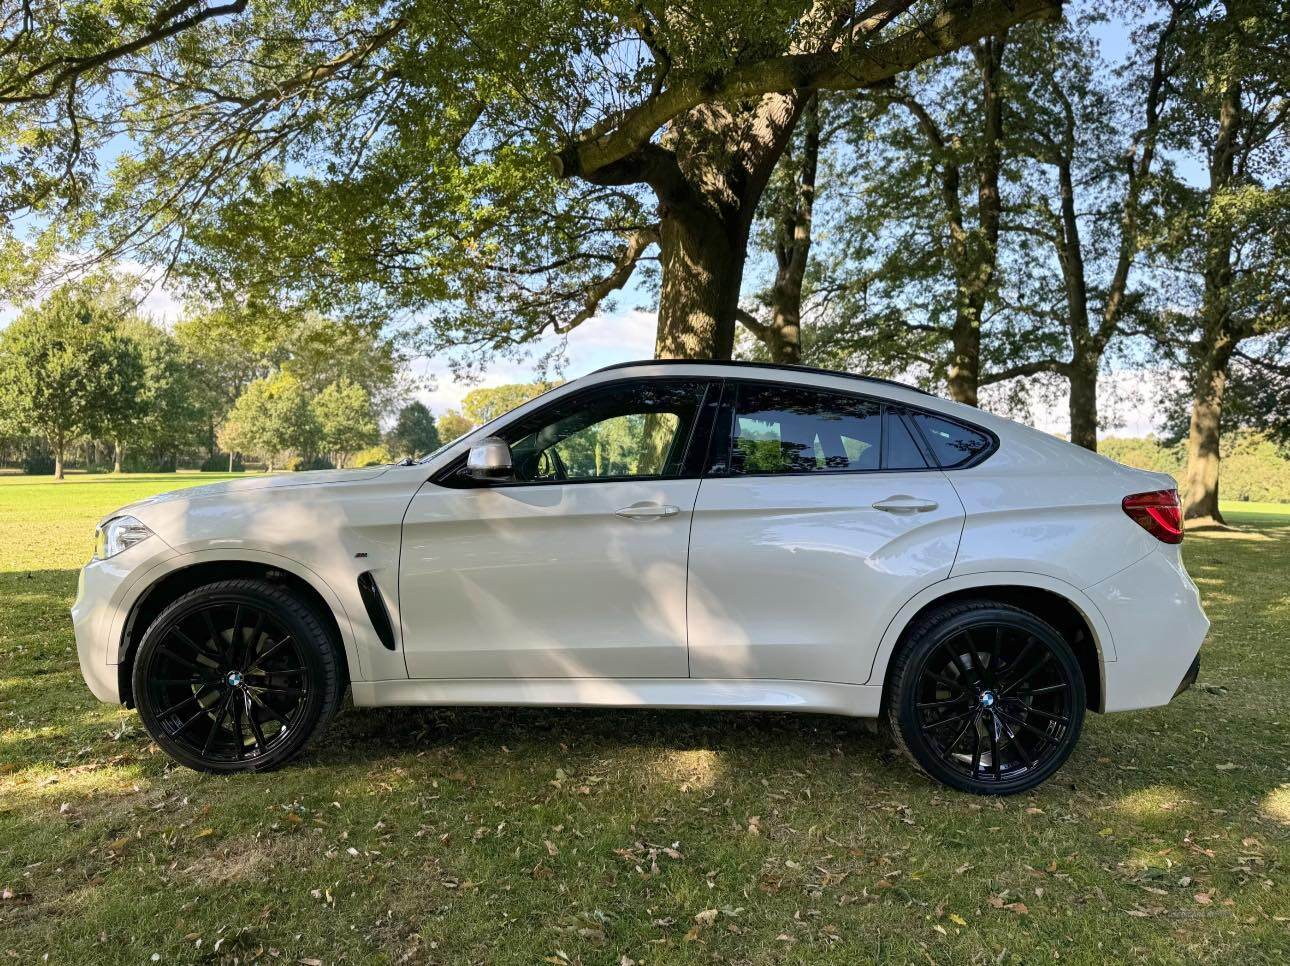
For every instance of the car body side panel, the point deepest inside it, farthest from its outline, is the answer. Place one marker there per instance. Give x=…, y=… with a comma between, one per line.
x=326, y=534
x=546, y=581
x=1102, y=635
x=794, y=577
x=821, y=697
x=1044, y=506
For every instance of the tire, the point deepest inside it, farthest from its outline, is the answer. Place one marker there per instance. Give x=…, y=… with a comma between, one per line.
x=238, y=675
x=985, y=697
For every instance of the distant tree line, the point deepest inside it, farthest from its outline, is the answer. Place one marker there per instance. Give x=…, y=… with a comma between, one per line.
x=81, y=371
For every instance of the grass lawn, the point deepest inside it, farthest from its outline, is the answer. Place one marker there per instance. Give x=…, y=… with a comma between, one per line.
x=609, y=837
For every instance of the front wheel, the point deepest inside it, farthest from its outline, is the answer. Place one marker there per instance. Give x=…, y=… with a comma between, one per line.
x=986, y=697
x=236, y=676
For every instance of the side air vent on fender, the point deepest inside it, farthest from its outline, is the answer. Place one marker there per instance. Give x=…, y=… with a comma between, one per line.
x=376, y=611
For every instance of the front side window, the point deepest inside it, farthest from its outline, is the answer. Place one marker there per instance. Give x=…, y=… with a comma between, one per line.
x=624, y=431
x=790, y=429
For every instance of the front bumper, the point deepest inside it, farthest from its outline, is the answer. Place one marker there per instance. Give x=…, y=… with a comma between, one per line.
x=104, y=594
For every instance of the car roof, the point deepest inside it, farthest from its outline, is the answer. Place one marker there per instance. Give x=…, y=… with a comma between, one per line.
x=775, y=366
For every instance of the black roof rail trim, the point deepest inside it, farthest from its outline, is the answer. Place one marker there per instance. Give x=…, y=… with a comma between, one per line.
x=786, y=367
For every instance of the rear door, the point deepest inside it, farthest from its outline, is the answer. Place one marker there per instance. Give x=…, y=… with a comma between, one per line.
x=820, y=517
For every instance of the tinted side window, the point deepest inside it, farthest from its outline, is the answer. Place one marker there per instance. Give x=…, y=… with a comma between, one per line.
x=903, y=452
x=788, y=429
x=953, y=444
x=623, y=431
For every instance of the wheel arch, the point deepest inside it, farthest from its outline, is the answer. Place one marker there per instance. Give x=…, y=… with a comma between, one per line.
x=180, y=577
x=1051, y=600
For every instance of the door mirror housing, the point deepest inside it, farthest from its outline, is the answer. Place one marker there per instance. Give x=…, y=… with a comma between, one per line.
x=489, y=459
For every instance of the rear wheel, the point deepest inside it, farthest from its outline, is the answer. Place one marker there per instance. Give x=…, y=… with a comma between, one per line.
x=236, y=676
x=986, y=697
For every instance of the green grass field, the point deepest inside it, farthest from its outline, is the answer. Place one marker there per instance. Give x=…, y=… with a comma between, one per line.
x=612, y=837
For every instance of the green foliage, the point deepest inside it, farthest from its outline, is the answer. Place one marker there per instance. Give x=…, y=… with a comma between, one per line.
x=414, y=433
x=620, y=446
x=453, y=425
x=300, y=464
x=377, y=455
x=1255, y=469
x=346, y=419
x=65, y=368
x=219, y=462
x=38, y=464
x=169, y=414
x=484, y=405
x=273, y=418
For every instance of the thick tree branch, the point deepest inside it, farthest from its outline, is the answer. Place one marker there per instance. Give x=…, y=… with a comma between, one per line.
x=851, y=68
x=63, y=70
x=637, y=243
x=750, y=322
x=1025, y=369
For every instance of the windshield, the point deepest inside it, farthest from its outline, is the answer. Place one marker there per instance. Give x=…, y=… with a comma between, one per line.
x=429, y=456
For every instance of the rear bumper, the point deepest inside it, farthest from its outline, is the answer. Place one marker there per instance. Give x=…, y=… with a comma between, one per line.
x=1153, y=611
x=1190, y=677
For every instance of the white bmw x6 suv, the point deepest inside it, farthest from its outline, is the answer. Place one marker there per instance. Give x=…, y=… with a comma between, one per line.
x=668, y=535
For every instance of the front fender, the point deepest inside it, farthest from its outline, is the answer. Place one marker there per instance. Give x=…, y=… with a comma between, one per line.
x=144, y=580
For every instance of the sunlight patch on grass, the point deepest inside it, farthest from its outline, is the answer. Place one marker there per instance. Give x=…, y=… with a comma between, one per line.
x=51, y=787
x=1276, y=804
x=695, y=768
x=1252, y=536
x=1155, y=801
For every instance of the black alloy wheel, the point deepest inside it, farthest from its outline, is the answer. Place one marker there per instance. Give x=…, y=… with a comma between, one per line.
x=236, y=676
x=986, y=698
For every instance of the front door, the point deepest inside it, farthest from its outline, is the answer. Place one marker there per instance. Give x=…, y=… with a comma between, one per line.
x=576, y=567
x=816, y=527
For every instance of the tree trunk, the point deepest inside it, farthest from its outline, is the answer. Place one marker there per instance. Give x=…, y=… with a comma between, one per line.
x=703, y=266
x=117, y=451
x=783, y=337
x=974, y=253
x=1221, y=332
x=1083, y=403
x=230, y=461
x=964, y=373
x=785, y=343
x=58, y=459
x=1200, y=482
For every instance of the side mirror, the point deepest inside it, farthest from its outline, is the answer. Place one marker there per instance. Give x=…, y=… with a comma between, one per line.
x=489, y=459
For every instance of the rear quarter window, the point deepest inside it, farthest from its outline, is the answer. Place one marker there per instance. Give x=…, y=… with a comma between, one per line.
x=952, y=443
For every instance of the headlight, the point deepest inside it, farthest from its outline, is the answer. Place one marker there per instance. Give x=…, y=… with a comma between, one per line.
x=119, y=533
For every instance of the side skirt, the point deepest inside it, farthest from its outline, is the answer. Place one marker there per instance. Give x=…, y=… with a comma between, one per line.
x=854, y=700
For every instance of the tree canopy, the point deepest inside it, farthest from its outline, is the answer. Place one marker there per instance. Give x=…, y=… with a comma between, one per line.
x=65, y=368
x=497, y=168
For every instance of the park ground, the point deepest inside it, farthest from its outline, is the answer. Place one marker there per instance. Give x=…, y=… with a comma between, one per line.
x=614, y=837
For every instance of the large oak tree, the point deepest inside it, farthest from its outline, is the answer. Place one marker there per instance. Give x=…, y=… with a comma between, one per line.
x=495, y=169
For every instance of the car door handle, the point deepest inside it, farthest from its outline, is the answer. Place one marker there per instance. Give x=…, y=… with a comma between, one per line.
x=648, y=511
x=905, y=504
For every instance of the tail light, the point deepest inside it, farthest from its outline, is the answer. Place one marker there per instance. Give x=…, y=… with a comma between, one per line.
x=1157, y=512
